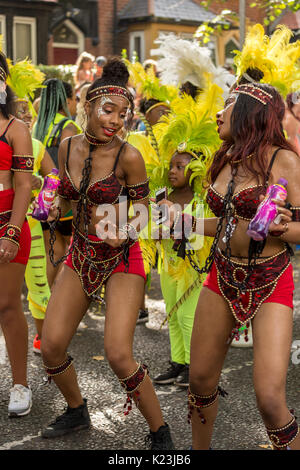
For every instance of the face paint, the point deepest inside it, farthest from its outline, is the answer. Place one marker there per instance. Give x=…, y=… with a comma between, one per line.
x=103, y=101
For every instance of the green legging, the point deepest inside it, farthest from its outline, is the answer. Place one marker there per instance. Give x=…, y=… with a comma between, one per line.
x=36, y=272
x=182, y=318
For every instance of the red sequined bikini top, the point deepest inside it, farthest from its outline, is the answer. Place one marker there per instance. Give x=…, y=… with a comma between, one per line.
x=107, y=190
x=245, y=201
x=6, y=152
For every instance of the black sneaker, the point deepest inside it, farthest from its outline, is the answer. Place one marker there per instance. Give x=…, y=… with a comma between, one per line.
x=183, y=378
x=161, y=439
x=143, y=315
x=170, y=375
x=72, y=420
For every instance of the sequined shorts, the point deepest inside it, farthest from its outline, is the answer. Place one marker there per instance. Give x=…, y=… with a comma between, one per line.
x=106, y=262
x=270, y=281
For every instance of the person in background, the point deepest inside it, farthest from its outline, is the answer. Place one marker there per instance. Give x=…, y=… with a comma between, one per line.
x=84, y=69
x=16, y=166
x=100, y=61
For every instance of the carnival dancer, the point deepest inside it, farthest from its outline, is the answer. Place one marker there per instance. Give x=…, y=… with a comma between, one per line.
x=24, y=79
x=96, y=169
x=15, y=189
x=54, y=123
x=187, y=139
x=251, y=280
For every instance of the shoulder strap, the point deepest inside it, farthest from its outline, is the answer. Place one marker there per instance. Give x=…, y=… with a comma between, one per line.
x=118, y=156
x=68, y=153
x=10, y=122
x=271, y=164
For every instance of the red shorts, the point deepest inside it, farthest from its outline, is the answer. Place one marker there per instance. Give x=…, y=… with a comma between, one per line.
x=282, y=294
x=6, y=203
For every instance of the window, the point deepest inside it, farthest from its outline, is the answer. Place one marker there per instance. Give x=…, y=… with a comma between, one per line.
x=230, y=46
x=137, y=45
x=67, y=35
x=24, y=38
x=3, y=33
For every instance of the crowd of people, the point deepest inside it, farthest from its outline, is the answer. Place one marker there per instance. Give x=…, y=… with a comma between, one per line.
x=210, y=143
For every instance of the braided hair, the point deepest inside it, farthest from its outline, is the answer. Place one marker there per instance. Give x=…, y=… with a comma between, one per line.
x=53, y=99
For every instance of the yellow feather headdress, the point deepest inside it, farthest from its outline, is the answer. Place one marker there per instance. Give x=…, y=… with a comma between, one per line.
x=276, y=57
x=190, y=128
x=24, y=79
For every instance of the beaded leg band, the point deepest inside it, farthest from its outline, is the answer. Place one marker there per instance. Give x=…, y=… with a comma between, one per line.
x=131, y=385
x=52, y=371
x=282, y=437
x=202, y=401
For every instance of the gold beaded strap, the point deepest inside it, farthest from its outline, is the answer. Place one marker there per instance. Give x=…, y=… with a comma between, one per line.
x=52, y=371
x=131, y=385
x=138, y=191
x=22, y=163
x=12, y=233
x=282, y=437
x=199, y=402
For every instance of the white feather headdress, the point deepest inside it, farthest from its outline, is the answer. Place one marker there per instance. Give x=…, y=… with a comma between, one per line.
x=180, y=61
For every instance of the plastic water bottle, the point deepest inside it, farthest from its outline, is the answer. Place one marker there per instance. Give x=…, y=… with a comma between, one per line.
x=46, y=196
x=267, y=210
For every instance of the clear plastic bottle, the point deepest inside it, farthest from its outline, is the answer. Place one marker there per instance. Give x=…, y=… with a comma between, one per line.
x=46, y=196
x=267, y=210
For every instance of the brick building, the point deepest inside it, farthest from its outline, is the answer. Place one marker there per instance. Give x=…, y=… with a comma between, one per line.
x=57, y=31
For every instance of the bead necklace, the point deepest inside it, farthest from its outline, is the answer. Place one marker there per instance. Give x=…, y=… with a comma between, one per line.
x=239, y=161
x=91, y=139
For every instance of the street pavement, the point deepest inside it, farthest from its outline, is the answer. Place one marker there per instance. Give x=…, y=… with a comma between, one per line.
x=238, y=425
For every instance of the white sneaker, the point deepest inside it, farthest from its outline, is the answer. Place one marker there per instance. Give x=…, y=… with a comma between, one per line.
x=20, y=400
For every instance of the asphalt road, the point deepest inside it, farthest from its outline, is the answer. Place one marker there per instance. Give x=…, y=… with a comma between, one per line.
x=238, y=425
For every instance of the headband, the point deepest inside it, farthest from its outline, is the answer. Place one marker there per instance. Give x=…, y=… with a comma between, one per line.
x=255, y=92
x=109, y=90
x=161, y=103
x=182, y=148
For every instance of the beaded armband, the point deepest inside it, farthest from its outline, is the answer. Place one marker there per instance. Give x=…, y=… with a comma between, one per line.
x=12, y=233
x=52, y=371
x=282, y=437
x=295, y=214
x=139, y=191
x=131, y=385
x=22, y=163
x=199, y=402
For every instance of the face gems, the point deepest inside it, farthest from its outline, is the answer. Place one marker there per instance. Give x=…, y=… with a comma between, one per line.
x=103, y=101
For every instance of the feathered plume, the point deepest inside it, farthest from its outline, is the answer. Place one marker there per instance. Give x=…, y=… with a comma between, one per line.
x=24, y=79
x=276, y=57
x=182, y=61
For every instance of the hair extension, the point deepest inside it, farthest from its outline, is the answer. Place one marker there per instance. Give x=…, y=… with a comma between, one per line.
x=8, y=108
x=53, y=99
x=254, y=128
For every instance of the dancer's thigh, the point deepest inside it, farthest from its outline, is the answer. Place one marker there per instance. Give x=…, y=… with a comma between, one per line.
x=209, y=344
x=67, y=305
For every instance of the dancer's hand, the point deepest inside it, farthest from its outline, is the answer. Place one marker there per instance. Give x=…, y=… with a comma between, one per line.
x=172, y=211
x=110, y=233
x=8, y=251
x=283, y=217
x=53, y=212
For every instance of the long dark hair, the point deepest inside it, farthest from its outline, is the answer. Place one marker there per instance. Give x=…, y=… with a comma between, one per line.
x=8, y=108
x=254, y=128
